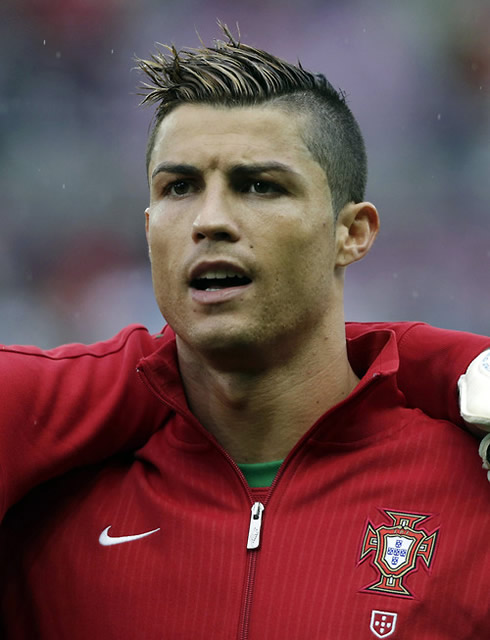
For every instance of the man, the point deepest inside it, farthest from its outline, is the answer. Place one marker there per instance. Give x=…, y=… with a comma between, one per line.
x=365, y=514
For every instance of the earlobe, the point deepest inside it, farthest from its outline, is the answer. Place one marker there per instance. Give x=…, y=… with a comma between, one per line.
x=357, y=228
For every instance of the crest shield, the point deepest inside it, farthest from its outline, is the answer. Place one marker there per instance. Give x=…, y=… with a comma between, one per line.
x=383, y=623
x=397, y=551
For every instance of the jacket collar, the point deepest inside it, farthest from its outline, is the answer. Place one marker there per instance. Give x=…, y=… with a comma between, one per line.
x=373, y=356
x=370, y=409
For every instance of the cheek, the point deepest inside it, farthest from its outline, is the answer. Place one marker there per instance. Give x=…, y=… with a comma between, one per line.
x=308, y=246
x=164, y=242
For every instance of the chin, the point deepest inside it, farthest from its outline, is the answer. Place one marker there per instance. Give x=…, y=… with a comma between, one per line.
x=226, y=340
x=226, y=343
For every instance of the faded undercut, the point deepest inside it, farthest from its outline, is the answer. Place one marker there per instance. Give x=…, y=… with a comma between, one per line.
x=233, y=74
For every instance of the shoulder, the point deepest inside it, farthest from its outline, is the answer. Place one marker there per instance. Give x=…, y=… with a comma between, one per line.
x=35, y=381
x=134, y=338
x=420, y=335
x=354, y=329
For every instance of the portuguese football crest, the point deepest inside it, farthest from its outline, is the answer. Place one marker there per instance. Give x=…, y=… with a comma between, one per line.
x=396, y=549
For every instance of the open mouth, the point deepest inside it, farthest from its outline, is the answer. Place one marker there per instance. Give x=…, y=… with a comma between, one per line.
x=217, y=281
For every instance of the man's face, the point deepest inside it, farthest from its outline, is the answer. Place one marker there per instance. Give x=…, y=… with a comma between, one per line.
x=240, y=229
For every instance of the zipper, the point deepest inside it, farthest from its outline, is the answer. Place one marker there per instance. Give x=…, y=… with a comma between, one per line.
x=253, y=544
x=255, y=526
x=247, y=600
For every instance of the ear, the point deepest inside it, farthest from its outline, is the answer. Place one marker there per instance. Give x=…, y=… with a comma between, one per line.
x=147, y=229
x=356, y=229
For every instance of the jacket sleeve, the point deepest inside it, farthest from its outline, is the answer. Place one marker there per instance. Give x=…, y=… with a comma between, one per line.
x=431, y=361
x=71, y=406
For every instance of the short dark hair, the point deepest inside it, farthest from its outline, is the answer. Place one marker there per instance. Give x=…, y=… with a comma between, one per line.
x=234, y=74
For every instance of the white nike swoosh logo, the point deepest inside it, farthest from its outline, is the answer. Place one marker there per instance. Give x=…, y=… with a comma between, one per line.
x=106, y=540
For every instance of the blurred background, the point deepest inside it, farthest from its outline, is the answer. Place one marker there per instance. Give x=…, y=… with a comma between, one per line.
x=73, y=259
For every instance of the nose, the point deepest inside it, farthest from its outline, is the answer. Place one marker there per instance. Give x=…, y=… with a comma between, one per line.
x=215, y=220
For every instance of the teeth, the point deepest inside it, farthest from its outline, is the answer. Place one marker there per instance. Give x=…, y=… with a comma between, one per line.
x=220, y=273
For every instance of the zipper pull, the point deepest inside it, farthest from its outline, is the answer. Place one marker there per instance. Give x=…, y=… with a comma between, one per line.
x=253, y=541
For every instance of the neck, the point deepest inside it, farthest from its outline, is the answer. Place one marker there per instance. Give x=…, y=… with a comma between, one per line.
x=258, y=415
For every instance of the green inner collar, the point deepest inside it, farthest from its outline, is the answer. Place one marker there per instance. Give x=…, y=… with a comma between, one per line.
x=260, y=474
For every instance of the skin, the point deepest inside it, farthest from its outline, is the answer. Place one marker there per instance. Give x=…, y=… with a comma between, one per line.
x=260, y=367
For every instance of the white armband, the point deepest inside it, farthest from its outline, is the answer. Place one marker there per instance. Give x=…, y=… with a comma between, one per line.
x=474, y=392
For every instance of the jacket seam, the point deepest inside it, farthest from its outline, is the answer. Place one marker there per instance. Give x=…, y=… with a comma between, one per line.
x=47, y=356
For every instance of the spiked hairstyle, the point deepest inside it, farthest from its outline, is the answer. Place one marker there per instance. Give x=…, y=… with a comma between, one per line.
x=233, y=74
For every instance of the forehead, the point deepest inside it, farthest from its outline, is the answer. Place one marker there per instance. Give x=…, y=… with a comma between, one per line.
x=210, y=135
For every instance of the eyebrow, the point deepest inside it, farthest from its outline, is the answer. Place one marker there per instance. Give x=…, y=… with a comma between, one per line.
x=236, y=170
x=267, y=167
x=182, y=169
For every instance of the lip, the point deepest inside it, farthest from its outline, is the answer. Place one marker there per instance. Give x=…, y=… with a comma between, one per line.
x=206, y=265
x=219, y=295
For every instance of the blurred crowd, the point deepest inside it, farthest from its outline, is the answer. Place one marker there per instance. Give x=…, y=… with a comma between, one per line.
x=73, y=259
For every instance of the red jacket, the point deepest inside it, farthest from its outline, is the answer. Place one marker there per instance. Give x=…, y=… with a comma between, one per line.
x=375, y=525
x=78, y=404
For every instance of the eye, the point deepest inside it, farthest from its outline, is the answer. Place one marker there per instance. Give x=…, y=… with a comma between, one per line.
x=179, y=188
x=263, y=188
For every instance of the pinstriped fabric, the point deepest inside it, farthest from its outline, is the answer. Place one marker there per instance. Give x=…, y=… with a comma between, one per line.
x=188, y=578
